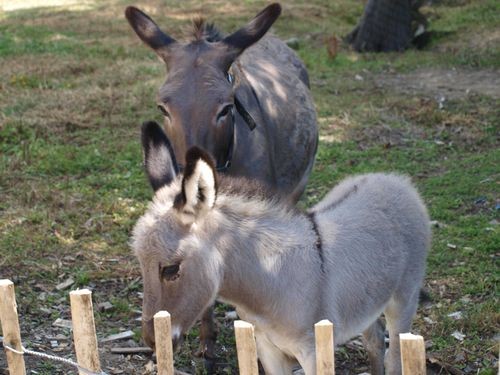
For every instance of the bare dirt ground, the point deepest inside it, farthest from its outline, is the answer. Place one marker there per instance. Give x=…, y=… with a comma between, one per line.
x=443, y=84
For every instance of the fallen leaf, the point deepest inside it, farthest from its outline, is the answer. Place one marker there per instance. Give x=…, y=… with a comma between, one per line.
x=62, y=323
x=429, y=320
x=65, y=284
x=104, y=306
x=118, y=336
x=457, y=315
x=332, y=46
x=458, y=335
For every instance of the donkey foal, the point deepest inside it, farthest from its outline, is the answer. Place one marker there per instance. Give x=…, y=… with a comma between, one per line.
x=358, y=253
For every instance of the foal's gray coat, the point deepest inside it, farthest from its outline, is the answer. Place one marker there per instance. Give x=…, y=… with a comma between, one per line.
x=358, y=253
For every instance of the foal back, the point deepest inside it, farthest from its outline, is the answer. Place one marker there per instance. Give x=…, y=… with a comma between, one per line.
x=375, y=234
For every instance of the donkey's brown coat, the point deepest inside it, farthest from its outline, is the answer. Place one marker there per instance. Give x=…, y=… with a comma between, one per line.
x=268, y=81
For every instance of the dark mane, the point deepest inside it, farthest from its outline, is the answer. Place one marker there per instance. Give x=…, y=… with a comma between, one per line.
x=205, y=31
x=250, y=188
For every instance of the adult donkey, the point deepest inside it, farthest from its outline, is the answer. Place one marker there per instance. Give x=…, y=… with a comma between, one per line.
x=358, y=253
x=247, y=103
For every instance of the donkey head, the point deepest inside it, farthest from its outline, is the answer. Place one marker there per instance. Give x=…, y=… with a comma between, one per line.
x=180, y=270
x=197, y=99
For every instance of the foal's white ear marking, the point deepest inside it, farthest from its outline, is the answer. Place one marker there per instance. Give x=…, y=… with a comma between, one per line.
x=199, y=186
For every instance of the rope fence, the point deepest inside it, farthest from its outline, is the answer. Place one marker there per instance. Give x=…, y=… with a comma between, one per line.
x=66, y=361
x=85, y=340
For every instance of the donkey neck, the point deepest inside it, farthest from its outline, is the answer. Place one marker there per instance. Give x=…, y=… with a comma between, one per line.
x=270, y=257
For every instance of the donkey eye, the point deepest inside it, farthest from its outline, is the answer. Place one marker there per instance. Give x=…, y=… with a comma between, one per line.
x=170, y=272
x=224, y=111
x=163, y=110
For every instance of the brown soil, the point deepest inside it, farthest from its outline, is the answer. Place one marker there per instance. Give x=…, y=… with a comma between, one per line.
x=443, y=84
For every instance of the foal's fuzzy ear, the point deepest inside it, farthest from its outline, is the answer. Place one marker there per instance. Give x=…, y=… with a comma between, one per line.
x=253, y=31
x=148, y=31
x=159, y=158
x=199, y=185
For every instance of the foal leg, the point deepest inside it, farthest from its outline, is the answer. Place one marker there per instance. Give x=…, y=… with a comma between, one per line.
x=308, y=363
x=305, y=352
x=399, y=315
x=208, y=335
x=374, y=342
x=274, y=361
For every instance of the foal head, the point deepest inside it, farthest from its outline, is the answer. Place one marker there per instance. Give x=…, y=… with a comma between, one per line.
x=197, y=99
x=181, y=271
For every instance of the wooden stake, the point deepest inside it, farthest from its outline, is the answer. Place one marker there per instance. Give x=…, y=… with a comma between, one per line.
x=10, y=327
x=412, y=354
x=247, y=350
x=325, y=357
x=163, y=343
x=84, y=335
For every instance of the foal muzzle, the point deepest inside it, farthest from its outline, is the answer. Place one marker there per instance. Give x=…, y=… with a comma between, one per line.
x=148, y=335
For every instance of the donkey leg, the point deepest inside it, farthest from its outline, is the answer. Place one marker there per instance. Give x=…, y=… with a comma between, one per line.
x=308, y=363
x=274, y=361
x=374, y=342
x=208, y=335
x=305, y=352
x=399, y=316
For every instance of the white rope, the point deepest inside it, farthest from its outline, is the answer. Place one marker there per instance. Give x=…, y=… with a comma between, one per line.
x=52, y=358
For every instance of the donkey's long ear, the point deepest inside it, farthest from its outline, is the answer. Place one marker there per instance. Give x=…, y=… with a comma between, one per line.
x=159, y=158
x=148, y=31
x=199, y=185
x=253, y=31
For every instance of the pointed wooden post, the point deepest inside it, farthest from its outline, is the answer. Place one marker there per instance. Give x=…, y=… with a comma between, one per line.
x=325, y=357
x=246, y=347
x=82, y=316
x=10, y=327
x=163, y=343
x=412, y=354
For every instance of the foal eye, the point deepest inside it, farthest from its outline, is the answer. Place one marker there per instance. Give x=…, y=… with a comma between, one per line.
x=224, y=111
x=163, y=110
x=170, y=272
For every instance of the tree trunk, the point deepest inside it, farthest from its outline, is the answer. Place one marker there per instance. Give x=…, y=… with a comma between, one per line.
x=386, y=25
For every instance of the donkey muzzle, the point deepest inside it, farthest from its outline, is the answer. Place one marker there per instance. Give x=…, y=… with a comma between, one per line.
x=148, y=332
x=148, y=335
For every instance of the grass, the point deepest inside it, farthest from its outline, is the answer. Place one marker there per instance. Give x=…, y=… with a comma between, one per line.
x=77, y=83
